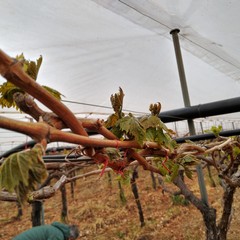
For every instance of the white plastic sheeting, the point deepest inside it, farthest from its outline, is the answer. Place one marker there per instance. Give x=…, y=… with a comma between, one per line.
x=90, y=48
x=209, y=29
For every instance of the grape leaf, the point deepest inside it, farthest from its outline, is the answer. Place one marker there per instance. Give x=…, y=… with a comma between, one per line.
x=188, y=172
x=215, y=130
x=117, y=132
x=150, y=122
x=153, y=121
x=236, y=151
x=22, y=171
x=7, y=91
x=30, y=67
x=111, y=120
x=151, y=134
x=188, y=160
x=165, y=139
x=163, y=170
x=157, y=131
x=53, y=92
x=174, y=171
x=125, y=178
x=132, y=128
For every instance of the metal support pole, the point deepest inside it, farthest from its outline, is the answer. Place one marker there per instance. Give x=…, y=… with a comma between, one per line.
x=182, y=77
x=201, y=125
x=202, y=186
x=186, y=100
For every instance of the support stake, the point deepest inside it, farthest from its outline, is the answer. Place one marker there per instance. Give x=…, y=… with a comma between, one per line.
x=182, y=77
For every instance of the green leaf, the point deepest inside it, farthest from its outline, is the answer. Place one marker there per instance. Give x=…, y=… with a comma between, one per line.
x=150, y=122
x=159, y=163
x=153, y=121
x=22, y=171
x=174, y=171
x=236, y=151
x=54, y=92
x=189, y=160
x=132, y=128
x=168, y=178
x=7, y=90
x=117, y=132
x=157, y=131
x=165, y=139
x=188, y=172
x=30, y=67
x=125, y=178
x=163, y=170
x=215, y=130
x=151, y=134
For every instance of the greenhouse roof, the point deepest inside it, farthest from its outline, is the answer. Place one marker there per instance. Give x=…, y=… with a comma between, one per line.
x=91, y=48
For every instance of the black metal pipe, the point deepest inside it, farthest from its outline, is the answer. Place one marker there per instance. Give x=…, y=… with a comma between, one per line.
x=30, y=144
x=18, y=148
x=202, y=110
x=207, y=136
x=51, y=156
x=198, y=111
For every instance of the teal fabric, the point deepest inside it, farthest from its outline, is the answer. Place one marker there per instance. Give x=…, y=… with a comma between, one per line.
x=55, y=231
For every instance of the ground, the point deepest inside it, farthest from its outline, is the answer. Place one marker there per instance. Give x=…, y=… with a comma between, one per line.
x=97, y=209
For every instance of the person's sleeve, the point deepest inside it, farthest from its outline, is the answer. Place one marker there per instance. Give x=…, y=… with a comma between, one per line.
x=54, y=237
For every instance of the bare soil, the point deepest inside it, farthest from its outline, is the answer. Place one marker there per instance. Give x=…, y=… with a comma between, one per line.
x=97, y=209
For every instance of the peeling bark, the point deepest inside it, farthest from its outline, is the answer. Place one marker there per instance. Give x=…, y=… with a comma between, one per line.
x=27, y=105
x=48, y=191
x=208, y=213
x=9, y=197
x=227, y=212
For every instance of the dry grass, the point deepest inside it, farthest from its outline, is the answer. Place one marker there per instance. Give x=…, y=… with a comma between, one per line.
x=97, y=209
